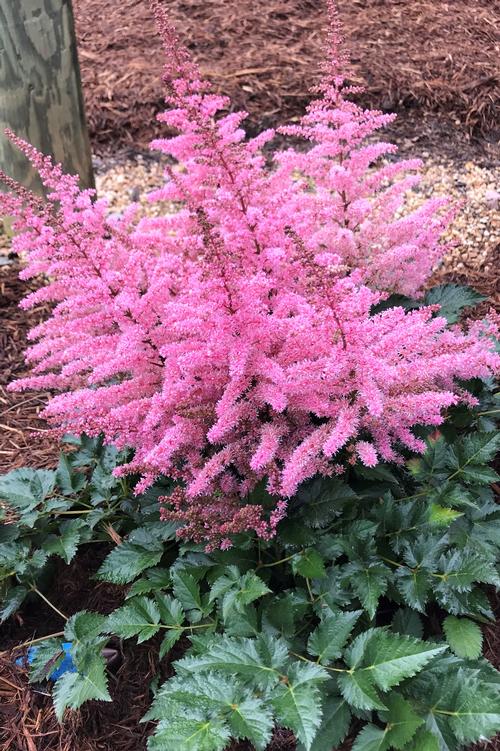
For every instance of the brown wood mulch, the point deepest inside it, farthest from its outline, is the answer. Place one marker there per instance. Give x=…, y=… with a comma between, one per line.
x=438, y=55
x=19, y=412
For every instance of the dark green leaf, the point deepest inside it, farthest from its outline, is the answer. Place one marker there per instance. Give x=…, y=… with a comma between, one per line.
x=127, y=561
x=68, y=479
x=452, y=298
x=309, y=564
x=328, y=639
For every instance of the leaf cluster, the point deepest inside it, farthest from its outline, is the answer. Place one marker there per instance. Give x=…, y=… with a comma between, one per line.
x=363, y=616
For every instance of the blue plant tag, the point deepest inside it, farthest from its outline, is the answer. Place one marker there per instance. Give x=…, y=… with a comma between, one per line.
x=66, y=666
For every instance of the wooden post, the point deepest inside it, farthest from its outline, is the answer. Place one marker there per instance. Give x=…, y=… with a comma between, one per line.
x=40, y=88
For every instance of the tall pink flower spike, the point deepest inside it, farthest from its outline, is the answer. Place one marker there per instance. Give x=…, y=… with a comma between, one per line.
x=232, y=341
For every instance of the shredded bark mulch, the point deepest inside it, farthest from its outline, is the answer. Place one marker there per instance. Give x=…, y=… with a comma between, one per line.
x=19, y=412
x=432, y=55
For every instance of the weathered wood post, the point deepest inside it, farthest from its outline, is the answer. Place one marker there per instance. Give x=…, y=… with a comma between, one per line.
x=40, y=88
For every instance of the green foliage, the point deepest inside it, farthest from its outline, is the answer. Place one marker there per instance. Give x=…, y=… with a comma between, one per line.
x=292, y=632
x=46, y=513
x=452, y=298
x=464, y=637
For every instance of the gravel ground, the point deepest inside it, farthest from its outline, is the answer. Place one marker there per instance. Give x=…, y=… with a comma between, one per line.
x=475, y=233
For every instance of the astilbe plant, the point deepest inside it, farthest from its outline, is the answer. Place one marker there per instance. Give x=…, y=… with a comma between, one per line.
x=234, y=340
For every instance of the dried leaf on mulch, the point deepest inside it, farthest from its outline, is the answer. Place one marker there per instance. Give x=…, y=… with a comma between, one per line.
x=432, y=54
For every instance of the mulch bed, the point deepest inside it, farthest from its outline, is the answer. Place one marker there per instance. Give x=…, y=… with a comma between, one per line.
x=433, y=55
x=19, y=412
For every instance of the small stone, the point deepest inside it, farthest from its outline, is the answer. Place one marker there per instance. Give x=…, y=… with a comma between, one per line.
x=492, y=199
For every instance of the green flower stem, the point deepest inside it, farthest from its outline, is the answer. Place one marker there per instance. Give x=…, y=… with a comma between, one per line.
x=30, y=642
x=73, y=513
x=275, y=563
x=177, y=627
x=56, y=610
x=394, y=563
x=308, y=585
x=313, y=662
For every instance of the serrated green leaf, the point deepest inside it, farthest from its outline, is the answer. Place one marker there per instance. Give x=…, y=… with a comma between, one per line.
x=309, y=564
x=297, y=702
x=371, y=738
x=460, y=705
x=128, y=560
x=442, y=516
x=170, y=609
x=470, y=455
x=236, y=591
x=379, y=659
x=480, y=448
x=71, y=690
x=155, y=579
x=479, y=475
x=368, y=581
x=452, y=298
x=406, y=621
x=460, y=569
x=415, y=586
x=464, y=637
x=262, y=659
x=402, y=721
x=187, y=591
x=471, y=603
x=250, y=718
x=12, y=601
x=65, y=544
x=322, y=499
x=140, y=617
x=433, y=463
x=84, y=626
x=25, y=488
x=171, y=638
x=207, y=734
x=214, y=694
x=334, y=725
x=390, y=658
x=279, y=615
x=84, y=631
x=328, y=639
x=244, y=623
x=423, y=740
x=68, y=479
x=358, y=690
x=45, y=659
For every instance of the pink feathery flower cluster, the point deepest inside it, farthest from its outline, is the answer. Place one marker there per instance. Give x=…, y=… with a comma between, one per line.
x=233, y=341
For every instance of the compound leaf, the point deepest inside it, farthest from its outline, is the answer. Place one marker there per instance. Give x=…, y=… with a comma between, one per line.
x=139, y=617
